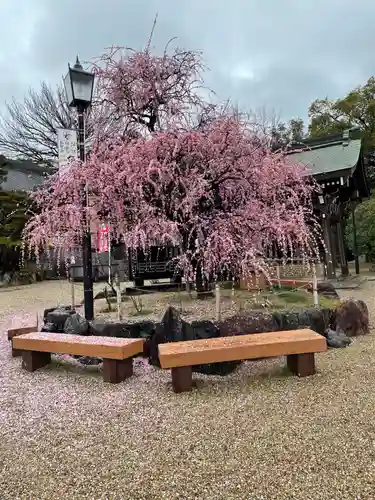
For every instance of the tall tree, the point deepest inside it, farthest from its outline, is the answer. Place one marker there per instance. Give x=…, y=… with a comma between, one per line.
x=213, y=187
x=14, y=207
x=365, y=225
x=138, y=93
x=28, y=128
x=283, y=134
x=356, y=109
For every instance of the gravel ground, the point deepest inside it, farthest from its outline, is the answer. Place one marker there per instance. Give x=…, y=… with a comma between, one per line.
x=257, y=434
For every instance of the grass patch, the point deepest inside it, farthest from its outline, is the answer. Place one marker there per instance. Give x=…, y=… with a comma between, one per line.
x=293, y=297
x=272, y=299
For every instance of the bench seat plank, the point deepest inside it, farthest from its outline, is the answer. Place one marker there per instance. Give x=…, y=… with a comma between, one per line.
x=92, y=346
x=259, y=345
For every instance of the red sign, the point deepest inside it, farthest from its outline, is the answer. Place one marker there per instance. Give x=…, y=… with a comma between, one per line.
x=103, y=234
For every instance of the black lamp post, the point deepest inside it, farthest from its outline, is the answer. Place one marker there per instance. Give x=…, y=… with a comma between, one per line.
x=79, y=86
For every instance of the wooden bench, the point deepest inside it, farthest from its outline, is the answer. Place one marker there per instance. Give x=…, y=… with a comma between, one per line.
x=15, y=332
x=117, y=353
x=298, y=345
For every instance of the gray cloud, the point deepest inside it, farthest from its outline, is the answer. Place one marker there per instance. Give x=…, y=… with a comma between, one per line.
x=278, y=54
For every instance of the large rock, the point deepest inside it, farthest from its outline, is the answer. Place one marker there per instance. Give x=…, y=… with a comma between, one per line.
x=173, y=328
x=76, y=324
x=336, y=339
x=249, y=322
x=204, y=330
x=56, y=308
x=207, y=330
x=258, y=321
x=352, y=318
x=49, y=327
x=141, y=329
x=317, y=320
x=103, y=328
x=58, y=317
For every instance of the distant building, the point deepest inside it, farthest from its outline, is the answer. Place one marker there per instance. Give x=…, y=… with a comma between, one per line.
x=21, y=175
x=337, y=163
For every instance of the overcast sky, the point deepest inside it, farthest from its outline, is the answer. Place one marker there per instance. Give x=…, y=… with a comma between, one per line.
x=278, y=54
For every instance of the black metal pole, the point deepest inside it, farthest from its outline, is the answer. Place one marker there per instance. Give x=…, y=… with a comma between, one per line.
x=88, y=293
x=355, y=242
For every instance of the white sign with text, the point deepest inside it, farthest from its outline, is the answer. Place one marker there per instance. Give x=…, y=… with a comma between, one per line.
x=67, y=146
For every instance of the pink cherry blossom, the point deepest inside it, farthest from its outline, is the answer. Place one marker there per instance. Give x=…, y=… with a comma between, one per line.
x=210, y=186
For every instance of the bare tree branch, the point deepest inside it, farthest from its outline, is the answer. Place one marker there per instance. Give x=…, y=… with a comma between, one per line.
x=28, y=129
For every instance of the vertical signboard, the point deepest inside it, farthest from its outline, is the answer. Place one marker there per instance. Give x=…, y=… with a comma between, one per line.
x=67, y=147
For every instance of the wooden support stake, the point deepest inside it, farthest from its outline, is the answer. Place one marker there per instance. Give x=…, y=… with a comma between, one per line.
x=217, y=295
x=118, y=296
x=278, y=275
x=72, y=292
x=315, y=287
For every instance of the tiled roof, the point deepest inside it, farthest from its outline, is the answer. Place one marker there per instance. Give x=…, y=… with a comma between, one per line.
x=330, y=157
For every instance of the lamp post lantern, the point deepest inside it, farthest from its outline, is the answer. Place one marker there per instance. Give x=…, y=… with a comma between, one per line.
x=79, y=86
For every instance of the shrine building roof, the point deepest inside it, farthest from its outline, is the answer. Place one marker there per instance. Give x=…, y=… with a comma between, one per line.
x=329, y=157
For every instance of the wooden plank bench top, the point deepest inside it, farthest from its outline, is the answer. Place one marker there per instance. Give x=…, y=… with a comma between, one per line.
x=257, y=345
x=62, y=343
x=298, y=345
x=117, y=353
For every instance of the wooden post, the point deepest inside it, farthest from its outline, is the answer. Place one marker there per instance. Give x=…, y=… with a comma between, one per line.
x=341, y=243
x=72, y=292
x=278, y=275
x=315, y=287
x=217, y=295
x=328, y=251
x=334, y=245
x=118, y=296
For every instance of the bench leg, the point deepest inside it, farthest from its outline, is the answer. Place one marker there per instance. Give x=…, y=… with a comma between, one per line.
x=182, y=378
x=302, y=365
x=117, y=370
x=292, y=363
x=16, y=353
x=33, y=360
